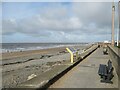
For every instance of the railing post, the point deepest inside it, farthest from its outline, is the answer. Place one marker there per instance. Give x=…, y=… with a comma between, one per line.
x=71, y=55
x=76, y=55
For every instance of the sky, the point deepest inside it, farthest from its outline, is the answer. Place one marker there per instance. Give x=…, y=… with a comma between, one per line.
x=42, y=22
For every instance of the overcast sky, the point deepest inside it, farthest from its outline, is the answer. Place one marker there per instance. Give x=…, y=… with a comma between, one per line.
x=57, y=22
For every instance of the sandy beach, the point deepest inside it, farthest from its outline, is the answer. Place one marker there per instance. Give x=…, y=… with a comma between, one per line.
x=18, y=67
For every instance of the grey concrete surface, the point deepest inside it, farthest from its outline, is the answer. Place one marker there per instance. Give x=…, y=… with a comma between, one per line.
x=44, y=78
x=85, y=74
x=47, y=77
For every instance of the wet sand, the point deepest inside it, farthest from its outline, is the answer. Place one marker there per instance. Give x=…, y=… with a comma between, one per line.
x=9, y=55
x=18, y=67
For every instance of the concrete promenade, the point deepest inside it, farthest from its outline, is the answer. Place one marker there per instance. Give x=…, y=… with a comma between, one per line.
x=85, y=74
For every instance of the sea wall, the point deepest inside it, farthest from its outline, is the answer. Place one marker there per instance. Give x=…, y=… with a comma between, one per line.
x=114, y=54
x=47, y=78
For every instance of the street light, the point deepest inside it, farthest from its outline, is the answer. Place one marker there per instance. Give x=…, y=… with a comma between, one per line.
x=113, y=14
x=119, y=23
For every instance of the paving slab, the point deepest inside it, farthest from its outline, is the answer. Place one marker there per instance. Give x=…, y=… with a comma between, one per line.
x=85, y=74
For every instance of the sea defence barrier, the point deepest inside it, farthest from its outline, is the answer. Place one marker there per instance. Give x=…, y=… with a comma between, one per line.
x=114, y=54
x=46, y=79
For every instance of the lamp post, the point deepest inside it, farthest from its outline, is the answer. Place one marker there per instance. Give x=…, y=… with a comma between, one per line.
x=113, y=14
x=119, y=23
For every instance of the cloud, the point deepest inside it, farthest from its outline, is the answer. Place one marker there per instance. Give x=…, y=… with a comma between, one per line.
x=38, y=24
x=98, y=13
x=64, y=22
x=9, y=26
x=95, y=17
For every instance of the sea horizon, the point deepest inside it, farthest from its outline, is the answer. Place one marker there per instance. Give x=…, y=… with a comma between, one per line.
x=16, y=47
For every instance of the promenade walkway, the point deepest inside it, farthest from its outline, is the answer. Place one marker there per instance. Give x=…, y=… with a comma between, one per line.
x=85, y=74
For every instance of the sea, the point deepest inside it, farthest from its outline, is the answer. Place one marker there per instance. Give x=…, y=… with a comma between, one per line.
x=15, y=47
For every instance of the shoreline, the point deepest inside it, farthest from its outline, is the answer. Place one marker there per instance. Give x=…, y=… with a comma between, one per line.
x=9, y=55
x=16, y=47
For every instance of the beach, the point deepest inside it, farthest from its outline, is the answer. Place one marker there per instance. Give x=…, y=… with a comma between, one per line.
x=18, y=67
